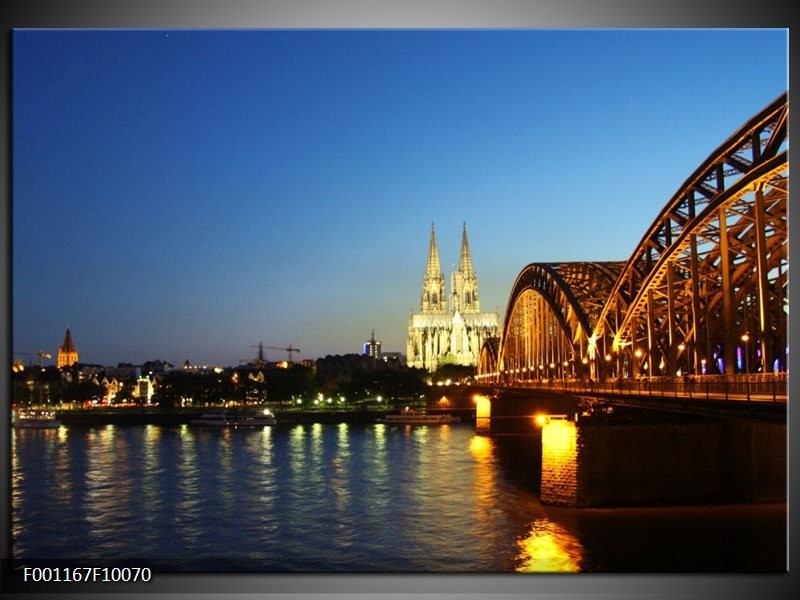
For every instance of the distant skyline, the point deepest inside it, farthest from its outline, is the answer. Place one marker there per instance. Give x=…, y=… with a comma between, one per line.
x=187, y=194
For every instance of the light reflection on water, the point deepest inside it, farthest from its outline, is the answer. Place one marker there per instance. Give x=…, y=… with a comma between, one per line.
x=549, y=548
x=331, y=498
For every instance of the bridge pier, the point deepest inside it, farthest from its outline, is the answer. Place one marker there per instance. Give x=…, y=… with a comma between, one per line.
x=517, y=414
x=640, y=455
x=593, y=462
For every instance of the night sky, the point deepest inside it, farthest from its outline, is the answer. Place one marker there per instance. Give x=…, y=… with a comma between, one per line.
x=185, y=194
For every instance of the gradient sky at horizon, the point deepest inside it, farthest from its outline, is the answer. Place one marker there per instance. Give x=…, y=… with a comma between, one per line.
x=187, y=194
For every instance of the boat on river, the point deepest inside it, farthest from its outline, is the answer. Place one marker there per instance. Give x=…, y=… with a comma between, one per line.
x=410, y=416
x=224, y=419
x=34, y=419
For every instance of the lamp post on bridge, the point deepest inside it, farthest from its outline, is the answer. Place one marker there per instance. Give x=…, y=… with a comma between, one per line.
x=745, y=339
x=637, y=362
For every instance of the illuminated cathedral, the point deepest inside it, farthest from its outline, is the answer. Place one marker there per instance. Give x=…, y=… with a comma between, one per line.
x=449, y=330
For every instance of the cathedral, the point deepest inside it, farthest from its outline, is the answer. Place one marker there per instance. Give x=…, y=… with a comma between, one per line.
x=449, y=330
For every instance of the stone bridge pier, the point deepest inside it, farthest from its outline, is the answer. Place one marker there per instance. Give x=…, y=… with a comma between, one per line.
x=671, y=461
x=638, y=457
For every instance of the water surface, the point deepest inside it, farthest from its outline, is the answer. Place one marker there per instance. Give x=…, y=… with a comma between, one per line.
x=352, y=498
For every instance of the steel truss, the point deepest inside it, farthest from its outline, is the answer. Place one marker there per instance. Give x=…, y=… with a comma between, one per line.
x=705, y=291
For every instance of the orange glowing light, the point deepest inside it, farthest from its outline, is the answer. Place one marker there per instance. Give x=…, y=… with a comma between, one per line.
x=549, y=548
x=483, y=406
x=558, y=436
x=480, y=447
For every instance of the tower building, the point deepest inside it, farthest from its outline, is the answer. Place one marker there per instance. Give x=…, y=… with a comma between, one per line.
x=434, y=299
x=67, y=352
x=449, y=332
x=372, y=347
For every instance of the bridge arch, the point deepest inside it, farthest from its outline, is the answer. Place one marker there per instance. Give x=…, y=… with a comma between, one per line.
x=487, y=360
x=549, y=318
x=705, y=291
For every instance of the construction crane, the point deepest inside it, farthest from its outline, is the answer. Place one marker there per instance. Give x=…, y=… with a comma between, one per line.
x=289, y=349
x=260, y=357
x=41, y=355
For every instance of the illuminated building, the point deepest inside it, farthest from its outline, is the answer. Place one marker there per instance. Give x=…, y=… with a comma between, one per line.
x=67, y=352
x=453, y=332
x=372, y=347
x=144, y=389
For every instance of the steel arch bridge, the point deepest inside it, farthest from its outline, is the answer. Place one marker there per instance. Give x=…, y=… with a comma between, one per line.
x=704, y=292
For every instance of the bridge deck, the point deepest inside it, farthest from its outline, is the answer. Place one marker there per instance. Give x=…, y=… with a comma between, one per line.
x=757, y=397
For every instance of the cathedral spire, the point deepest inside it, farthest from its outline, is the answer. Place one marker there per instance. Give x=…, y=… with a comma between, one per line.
x=465, y=282
x=433, y=292
x=465, y=265
x=434, y=267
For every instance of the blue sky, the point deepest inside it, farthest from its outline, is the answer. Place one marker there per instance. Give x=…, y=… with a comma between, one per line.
x=185, y=194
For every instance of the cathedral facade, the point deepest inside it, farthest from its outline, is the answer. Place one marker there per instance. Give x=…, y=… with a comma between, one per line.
x=449, y=329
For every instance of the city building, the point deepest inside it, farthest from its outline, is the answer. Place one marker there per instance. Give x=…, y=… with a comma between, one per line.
x=393, y=357
x=67, y=352
x=144, y=389
x=449, y=332
x=372, y=347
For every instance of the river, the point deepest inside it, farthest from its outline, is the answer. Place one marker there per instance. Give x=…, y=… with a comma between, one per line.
x=345, y=498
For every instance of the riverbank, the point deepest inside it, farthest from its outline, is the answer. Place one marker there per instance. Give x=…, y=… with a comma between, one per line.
x=159, y=417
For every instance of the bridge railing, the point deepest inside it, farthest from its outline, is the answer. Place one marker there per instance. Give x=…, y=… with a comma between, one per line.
x=770, y=387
